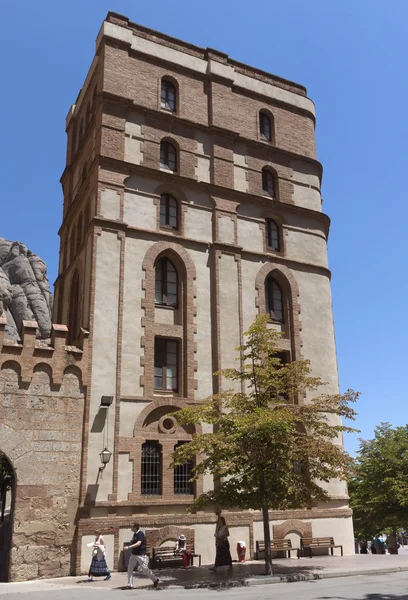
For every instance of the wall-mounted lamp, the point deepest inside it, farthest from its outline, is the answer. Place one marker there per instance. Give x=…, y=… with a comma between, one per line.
x=106, y=401
x=105, y=458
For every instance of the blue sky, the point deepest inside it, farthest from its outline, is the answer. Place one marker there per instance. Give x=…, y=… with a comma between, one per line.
x=352, y=57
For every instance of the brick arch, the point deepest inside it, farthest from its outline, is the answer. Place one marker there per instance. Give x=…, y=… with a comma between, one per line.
x=10, y=365
x=290, y=288
x=157, y=403
x=156, y=537
x=292, y=526
x=21, y=456
x=186, y=267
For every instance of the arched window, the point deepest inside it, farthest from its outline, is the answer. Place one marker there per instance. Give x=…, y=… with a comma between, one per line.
x=94, y=96
x=274, y=300
x=151, y=471
x=272, y=235
x=73, y=321
x=182, y=476
x=168, y=156
x=79, y=232
x=88, y=113
x=81, y=131
x=168, y=95
x=168, y=211
x=265, y=129
x=268, y=182
x=166, y=283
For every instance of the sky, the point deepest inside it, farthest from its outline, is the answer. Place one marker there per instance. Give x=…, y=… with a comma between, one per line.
x=351, y=56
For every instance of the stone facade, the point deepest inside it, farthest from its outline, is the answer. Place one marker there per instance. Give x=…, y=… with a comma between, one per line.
x=114, y=234
x=41, y=418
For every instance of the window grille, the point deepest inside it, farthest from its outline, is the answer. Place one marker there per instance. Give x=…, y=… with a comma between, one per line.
x=182, y=476
x=168, y=156
x=265, y=129
x=166, y=283
x=272, y=235
x=168, y=211
x=151, y=469
x=166, y=364
x=168, y=95
x=274, y=303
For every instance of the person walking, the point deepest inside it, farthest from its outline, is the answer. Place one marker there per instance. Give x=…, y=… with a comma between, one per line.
x=222, y=546
x=138, y=557
x=98, y=567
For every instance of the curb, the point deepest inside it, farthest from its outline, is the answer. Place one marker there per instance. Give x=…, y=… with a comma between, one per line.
x=269, y=580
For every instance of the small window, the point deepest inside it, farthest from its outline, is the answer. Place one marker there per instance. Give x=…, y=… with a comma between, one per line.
x=168, y=211
x=168, y=156
x=265, y=129
x=166, y=364
x=74, y=300
x=268, y=183
x=274, y=303
x=151, y=471
x=168, y=95
x=166, y=283
x=182, y=476
x=272, y=235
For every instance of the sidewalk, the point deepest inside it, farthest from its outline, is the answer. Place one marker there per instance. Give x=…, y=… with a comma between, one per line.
x=249, y=573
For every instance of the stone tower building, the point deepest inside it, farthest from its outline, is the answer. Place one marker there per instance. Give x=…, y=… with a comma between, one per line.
x=191, y=204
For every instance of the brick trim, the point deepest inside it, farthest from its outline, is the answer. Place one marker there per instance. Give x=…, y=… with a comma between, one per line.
x=184, y=331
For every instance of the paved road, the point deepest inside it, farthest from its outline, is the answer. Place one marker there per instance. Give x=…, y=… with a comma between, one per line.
x=372, y=587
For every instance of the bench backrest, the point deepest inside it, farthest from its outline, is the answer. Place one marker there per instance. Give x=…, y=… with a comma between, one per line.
x=320, y=541
x=275, y=545
x=168, y=551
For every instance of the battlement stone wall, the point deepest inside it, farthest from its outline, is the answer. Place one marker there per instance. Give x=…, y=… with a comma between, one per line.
x=42, y=395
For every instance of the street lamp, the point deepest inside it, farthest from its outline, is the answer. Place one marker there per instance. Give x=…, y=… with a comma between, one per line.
x=105, y=456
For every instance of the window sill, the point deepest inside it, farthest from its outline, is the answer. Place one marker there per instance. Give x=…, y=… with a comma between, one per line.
x=168, y=110
x=165, y=306
x=170, y=228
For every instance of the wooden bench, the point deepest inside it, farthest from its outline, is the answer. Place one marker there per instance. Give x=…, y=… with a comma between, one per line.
x=166, y=554
x=276, y=546
x=307, y=545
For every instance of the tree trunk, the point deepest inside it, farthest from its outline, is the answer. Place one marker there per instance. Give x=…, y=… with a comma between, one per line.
x=267, y=538
x=267, y=534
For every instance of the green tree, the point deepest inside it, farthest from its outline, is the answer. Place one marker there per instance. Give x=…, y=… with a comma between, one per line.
x=269, y=449
x=6, y=481
x=378, y=487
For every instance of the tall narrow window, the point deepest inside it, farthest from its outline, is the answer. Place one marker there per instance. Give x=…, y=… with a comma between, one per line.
x=79, y=232
x=168, y=156
x=272, y=235
x=265, y=129
x=166, y=364
x=166, y=283
x=182, y=476
x=168, y=211
x=274, y=302
x=73, y=321
x=268, y=183
x=151, y=472
x=168, y=95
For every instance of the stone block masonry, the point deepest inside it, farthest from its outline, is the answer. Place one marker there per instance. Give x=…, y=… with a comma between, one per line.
x=41, y=418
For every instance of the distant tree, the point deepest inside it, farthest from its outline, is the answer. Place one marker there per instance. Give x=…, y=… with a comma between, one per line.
x=378, y=487
x=269, y=448
x=6, y=481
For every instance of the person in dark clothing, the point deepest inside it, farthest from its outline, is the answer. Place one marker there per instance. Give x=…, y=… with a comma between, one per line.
x=138, y=556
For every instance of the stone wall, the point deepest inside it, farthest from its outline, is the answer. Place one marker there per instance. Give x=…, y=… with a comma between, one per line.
x=41, y=419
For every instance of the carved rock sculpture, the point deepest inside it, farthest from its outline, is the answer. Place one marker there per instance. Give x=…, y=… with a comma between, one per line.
x=24, y=290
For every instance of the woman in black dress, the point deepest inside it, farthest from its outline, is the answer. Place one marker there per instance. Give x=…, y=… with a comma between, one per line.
x=222, y=546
